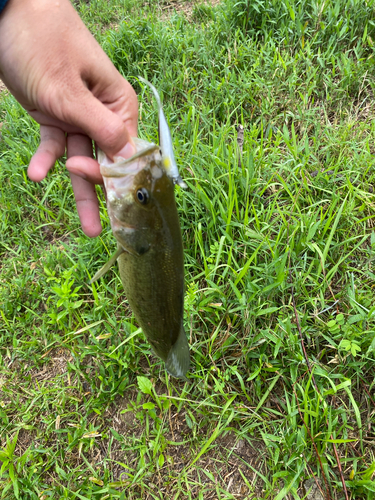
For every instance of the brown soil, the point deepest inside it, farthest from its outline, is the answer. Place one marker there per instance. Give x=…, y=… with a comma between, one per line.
x=185, y=6
x=228, y=465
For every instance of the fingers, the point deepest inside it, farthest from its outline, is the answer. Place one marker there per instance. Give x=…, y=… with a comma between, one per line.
x=85, y=167
x=121, y=100
x=52, y=146
x=87, y=206
x=110, y=124
x=80, y=159
x=51, y=121
x=84, y=192
x=105, y=127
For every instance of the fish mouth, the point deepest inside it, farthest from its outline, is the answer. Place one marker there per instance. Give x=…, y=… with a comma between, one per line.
x=118, y=175
x=121, y=166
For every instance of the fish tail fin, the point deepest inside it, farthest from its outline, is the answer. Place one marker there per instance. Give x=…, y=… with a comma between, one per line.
x=178, y=360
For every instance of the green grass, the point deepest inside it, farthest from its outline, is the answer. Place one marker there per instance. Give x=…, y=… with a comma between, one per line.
x=86, y=411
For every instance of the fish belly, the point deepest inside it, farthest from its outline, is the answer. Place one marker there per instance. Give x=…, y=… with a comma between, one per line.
x=154, y=286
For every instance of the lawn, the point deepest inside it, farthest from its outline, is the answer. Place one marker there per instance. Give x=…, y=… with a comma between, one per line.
x=271, y=107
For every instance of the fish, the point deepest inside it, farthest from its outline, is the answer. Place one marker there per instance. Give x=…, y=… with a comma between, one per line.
x=144, y=220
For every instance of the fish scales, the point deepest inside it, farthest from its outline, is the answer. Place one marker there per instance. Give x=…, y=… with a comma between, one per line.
x=158, y=297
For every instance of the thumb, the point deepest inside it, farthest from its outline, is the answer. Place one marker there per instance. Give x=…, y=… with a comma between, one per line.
x=111, y=130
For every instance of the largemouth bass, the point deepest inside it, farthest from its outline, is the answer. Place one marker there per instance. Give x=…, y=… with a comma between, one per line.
x=144, y=220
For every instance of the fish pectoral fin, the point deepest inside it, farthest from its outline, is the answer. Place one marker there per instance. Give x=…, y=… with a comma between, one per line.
x=135, y=249
x=135, y=242
x=108, y=265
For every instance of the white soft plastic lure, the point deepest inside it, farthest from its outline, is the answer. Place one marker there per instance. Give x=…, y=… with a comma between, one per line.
x=165, y=140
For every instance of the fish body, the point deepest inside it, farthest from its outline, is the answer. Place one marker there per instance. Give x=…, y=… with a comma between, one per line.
x=144, y=220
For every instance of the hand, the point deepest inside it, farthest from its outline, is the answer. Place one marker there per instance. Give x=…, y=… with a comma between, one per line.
x=58, y=72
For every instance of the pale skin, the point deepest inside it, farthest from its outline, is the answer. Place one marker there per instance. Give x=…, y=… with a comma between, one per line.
x=58, y=72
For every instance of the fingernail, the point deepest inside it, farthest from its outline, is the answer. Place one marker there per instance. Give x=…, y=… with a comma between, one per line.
x=127, y=151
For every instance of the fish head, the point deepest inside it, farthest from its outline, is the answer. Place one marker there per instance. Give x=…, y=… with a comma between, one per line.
x=140, y=196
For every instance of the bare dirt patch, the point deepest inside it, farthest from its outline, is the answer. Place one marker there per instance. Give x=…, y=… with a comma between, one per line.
x=184, y=6
x=229, y=464
x=57, y=365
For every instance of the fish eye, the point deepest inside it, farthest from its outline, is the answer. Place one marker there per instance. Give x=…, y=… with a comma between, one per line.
x=142, y=196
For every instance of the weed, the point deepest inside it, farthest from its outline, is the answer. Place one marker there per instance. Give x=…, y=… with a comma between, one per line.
x=86, y=411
